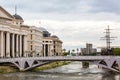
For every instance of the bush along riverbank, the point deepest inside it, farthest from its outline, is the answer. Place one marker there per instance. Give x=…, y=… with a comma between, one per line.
x=7, y=69
x=51, y=65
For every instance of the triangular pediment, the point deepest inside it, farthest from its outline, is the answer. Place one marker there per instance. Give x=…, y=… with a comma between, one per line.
x=4, y=14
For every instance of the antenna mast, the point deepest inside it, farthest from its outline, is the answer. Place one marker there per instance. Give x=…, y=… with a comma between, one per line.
x=15, y=9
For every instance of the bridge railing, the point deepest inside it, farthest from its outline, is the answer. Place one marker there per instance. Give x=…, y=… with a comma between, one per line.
x=67, y=57
x=76, y=57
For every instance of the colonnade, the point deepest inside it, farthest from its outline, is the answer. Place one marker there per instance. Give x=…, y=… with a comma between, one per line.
x=12, y=45
x=46, y=50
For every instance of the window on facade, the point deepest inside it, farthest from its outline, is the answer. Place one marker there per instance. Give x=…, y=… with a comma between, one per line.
x=31, y=36
x=31, y=47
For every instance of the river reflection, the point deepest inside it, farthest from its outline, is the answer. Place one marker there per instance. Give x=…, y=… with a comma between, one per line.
x=72, y=71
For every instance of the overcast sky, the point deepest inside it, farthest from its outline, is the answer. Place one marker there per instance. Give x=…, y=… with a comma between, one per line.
x=75, y=22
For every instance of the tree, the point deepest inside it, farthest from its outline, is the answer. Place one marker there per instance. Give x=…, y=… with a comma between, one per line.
x=73, y=50
x=65, y=53
x=77, y=51
x=69, y=52
x=116, y=51
x=64, y=50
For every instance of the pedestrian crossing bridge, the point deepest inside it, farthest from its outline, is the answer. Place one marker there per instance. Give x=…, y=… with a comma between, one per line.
x=27, y=63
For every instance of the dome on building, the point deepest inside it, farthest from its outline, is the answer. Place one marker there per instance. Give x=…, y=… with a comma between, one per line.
x=46, y=34
x=18, y=17
x=42, y=29
x=54, y=36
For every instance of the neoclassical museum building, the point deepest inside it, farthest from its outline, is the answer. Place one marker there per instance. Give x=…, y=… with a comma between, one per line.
x=13, y=36
x=19, y=40
x=52, y=45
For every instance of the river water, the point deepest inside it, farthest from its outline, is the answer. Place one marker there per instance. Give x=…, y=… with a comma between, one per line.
x=72, y=71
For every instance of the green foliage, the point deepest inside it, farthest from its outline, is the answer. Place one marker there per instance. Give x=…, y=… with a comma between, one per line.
x=1, y=71
x=51, y=65
x=7, y=69
x=73, y=50
x=65, y=63
x=116, y=51
x=91, y=54
x=65, y=53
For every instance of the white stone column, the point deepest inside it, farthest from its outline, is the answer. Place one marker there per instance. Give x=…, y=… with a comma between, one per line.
x=44, y=50
x=13, y=45
x=48, y=50
x=8, y=44
x=25, y=46
x=17, y=46
x=2, y=45
x=20, y=45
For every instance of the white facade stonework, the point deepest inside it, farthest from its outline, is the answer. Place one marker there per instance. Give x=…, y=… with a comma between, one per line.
x=52, y=46
x=11, y=36
x=18, y=40
x=35, y=38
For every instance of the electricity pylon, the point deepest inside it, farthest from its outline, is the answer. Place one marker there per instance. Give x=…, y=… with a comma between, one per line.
x=108, y=38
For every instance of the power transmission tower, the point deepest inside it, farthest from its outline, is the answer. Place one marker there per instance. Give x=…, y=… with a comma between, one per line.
x=108, y=38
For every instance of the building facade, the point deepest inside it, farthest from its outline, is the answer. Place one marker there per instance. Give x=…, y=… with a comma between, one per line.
x=88, y=50
x=13, y=36
x=35, y=38
x=19, y=40
x=52, y=45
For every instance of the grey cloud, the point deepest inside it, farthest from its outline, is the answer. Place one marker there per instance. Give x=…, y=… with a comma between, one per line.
x=106, y=6
x=64, y=6
x=49, y=6
x=68, y=10
x=70, y=6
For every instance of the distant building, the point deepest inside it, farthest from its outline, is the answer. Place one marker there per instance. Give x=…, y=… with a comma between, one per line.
x=88, y=50
x=52, y=45
x=94, y=50
x=35, y=38
x=83, y=51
